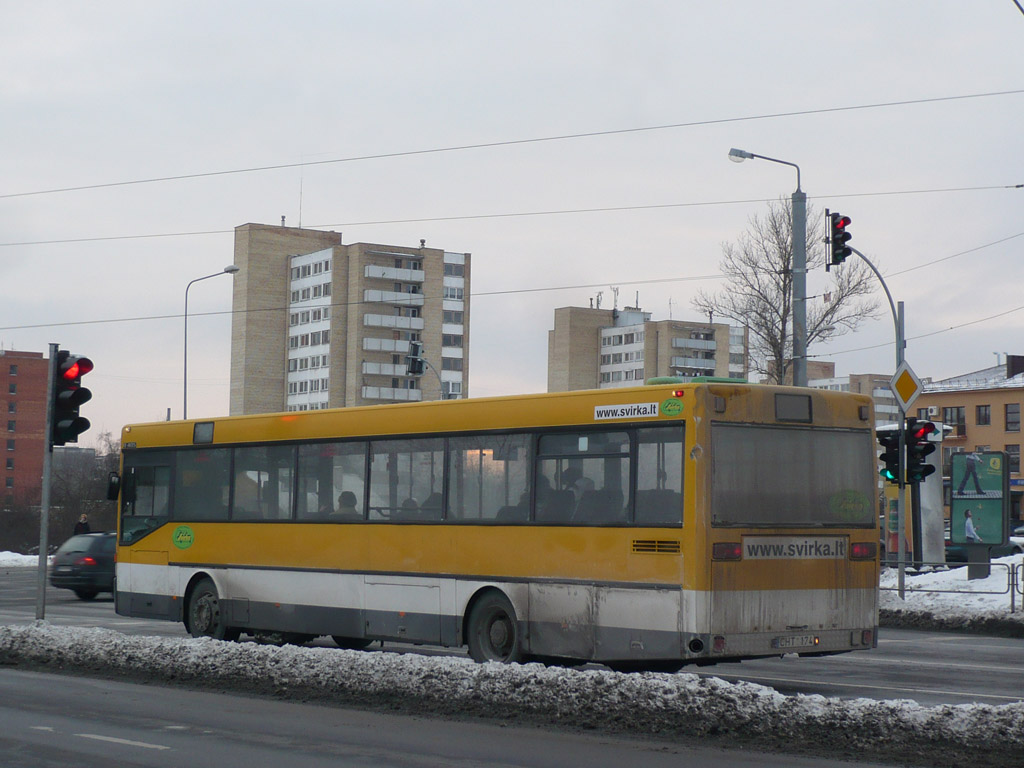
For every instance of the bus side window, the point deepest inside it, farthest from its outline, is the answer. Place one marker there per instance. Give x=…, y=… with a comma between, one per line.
x=145, y=500
x=659, y=485
x=488, y=478
x=202, y=484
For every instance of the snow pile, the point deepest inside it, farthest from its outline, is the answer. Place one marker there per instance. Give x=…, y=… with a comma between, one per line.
x=959, y=602
x=675, y=706
x=14, y=560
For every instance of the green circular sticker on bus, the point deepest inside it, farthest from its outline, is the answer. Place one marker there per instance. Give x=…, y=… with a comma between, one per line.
x=672, y=407
x=183, y=537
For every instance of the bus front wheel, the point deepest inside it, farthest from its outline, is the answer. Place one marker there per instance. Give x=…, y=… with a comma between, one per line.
x=492, y=630
x=204, y=614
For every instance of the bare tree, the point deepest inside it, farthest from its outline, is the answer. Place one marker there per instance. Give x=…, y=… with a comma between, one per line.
x=759, y=291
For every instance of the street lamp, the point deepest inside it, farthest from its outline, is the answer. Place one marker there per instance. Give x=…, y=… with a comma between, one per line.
x=799, y=217
x=230, y=269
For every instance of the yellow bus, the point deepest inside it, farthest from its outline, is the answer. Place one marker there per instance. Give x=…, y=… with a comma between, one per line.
x=641, y=527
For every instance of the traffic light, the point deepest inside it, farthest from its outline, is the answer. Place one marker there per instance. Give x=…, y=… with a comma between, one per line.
x=68, y=396
x=414, y=360
x=918, y=447
x=889, y=439
x=839, y=237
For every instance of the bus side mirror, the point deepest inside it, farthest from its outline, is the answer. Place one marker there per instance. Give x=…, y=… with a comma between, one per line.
x=113, y=486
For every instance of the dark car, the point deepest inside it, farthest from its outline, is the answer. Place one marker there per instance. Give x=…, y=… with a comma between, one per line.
x=957, y=553
x=85, y=564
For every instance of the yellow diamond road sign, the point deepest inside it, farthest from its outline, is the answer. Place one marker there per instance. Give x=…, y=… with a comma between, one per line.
x=905, y=385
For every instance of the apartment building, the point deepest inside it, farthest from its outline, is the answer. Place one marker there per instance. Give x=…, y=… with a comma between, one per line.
x=983, y=411
x=23, y=382
x=594, y=348
x=822, y=376
x=319, y=324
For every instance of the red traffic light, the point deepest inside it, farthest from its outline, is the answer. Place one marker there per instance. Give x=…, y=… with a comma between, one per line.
x=76, y=367
x=921, y=430
x=840, y=222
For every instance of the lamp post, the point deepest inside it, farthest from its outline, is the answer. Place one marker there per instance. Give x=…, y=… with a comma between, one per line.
x=228, y=270
x=799, y=217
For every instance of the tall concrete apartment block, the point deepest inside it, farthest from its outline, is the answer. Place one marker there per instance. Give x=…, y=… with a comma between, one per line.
x=593, y=348
x=318, y=324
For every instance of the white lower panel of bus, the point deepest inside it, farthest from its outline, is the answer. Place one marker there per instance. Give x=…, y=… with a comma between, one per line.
x=576, y=620
x=766, y=622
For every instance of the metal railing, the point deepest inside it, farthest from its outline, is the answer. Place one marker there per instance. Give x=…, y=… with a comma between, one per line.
x=1014, y=582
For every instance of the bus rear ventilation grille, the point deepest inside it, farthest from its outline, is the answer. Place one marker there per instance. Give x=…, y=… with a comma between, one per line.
x=656, y=547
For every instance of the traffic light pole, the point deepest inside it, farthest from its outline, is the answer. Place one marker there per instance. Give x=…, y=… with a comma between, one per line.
x=897, y=318
x=44, y=504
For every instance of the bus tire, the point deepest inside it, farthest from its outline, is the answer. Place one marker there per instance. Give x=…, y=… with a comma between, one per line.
x=492, y=630
x=351, y=643
x=204, y=615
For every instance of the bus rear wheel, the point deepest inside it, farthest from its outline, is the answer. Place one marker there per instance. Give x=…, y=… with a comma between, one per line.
x=204, y=614
x=493, y=634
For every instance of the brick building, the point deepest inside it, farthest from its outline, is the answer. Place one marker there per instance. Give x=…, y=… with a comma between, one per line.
x=23, y=380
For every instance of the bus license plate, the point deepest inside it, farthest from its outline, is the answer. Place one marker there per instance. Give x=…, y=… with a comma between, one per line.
x=794, y=641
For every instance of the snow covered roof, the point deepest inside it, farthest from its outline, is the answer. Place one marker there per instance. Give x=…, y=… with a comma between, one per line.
x=987, y=378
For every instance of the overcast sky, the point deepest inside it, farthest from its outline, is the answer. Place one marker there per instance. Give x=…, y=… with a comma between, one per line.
x=99, y=93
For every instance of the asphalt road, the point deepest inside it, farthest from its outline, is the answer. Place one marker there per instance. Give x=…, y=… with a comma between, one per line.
x=49, y=720
x=929, y=667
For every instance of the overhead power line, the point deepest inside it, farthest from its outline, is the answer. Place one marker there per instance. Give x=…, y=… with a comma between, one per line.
x=516, y=214
x=506, y=292
x=515, y=142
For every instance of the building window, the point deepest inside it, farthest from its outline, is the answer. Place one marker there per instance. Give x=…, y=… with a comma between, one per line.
x=955, y=417
x=454, y=270
x=452, y=316
x=13, y=388
x=453, y=293
x=14, y=370
x=10, y=463
x=1013, y=417
x=451, y=363
x=1013, y=457
x=12, y=406
x=983, y=415
x=10, y=482
x=10, y=426
x=10, y=445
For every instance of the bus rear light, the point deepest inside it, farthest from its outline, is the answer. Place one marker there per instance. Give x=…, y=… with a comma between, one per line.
x=718, y=643
x=726, y=550
x=863, y=550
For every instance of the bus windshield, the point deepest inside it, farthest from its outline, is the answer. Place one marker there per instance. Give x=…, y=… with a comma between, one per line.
x=790, y=476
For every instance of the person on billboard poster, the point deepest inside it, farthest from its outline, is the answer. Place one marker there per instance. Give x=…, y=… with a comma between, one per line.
x=970, y=535
x=971, y=463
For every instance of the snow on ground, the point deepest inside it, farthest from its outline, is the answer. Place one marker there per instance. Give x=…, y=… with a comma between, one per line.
x=680, y=706
x=13, y=559
x=948, y=599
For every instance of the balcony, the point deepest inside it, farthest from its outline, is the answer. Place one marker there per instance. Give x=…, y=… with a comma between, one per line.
x=374, y=272
x=679, y=343
x=393, y=297
x=393, y=321
x=371, y=344
x=693, y=362
x=385, y=369
x=392, y=394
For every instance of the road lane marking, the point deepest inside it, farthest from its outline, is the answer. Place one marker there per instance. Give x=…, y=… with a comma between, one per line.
x=125, y=742
x=838, y=685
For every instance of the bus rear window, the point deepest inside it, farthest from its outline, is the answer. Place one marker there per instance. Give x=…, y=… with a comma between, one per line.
x=765, y=476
